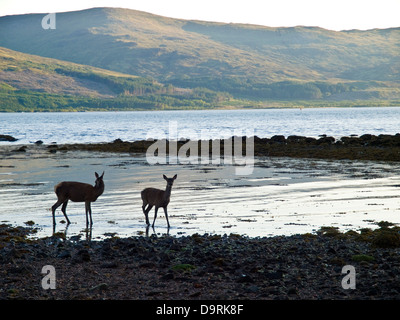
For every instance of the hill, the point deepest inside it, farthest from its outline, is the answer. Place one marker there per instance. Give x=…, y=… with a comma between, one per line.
x=246, y=61
x=34, y=83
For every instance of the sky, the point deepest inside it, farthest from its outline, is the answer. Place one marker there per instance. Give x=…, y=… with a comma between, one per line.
x=329, y=14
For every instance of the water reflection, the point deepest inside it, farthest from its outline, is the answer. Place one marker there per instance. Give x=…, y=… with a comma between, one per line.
x=74, y=237
x=283, y=196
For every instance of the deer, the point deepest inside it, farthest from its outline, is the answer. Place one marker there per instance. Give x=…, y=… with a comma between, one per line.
x=157, y=198
x=77, y=192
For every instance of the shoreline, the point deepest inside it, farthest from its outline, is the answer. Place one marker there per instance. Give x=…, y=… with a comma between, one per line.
x=366, y=147
x=283, y=195
x=205, y=267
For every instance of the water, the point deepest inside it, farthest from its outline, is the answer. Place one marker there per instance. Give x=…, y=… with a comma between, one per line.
x=281, y=197
x=138, y=125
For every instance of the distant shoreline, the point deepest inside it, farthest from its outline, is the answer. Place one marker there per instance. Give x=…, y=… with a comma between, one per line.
x=236, y=104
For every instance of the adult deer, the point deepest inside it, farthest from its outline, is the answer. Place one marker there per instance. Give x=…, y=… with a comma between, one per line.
x=77, y=192
x=157, y=198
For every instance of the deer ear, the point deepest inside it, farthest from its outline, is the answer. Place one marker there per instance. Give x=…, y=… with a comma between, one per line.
x=102, y=175
x=97, y=176
x=175, y=176
x=164, y=176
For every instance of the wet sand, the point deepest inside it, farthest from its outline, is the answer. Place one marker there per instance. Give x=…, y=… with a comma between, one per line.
x=283, y=196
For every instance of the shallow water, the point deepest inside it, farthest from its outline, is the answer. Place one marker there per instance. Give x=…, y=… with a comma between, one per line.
x=281, y=197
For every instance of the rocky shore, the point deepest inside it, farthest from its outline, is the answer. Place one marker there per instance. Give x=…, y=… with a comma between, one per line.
x=365, y=147
x=205, y=267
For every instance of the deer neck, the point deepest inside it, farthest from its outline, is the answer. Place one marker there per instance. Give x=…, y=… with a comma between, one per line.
x=167, y=192
x=98, y=189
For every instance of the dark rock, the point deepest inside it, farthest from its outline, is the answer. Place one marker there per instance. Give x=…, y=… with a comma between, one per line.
x=351, y=141
x=296, y=139
x=292, y=291
x=21, y=149
x=326, y=140
x=167, y=276
x=5, y=137
x=101, y=287
x=109, y=265
x=253, y=289
x=367, y=137
x=147, y=265
x=244, y=278
x=64, y=254
x=274, y=275
x=82, y=255
x=310, y=140
x=278, y=139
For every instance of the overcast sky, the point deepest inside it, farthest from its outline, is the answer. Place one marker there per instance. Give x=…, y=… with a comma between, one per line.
x=328, y=14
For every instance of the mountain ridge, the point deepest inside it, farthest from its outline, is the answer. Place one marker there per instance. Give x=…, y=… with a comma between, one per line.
x=244, y=60
x=177, y=47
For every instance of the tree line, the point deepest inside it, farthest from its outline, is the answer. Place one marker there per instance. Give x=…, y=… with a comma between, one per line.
x=256, y=89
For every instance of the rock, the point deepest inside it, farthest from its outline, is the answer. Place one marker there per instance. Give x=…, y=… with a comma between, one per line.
x=278, y=139
x=244, y=278
x=292, y=291
x=225, y=267
x=101, y=287
x=274, y=275
x=367, y=137
x=110, y=265
x=64, y=254
x=5, y=137
x=253, y=289
x=296, y=139
x=81, y=256
x=21, y=149
x=167, y=276
x=326, y=140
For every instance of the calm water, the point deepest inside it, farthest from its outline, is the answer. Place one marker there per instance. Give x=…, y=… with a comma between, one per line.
x=281, y=196
x=138, y=125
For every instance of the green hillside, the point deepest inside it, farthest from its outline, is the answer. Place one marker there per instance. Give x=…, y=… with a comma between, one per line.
x=245, y=61
x=34, y=83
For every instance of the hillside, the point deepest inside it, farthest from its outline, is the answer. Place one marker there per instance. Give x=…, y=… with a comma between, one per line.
x=34, y=83
x=246, y=61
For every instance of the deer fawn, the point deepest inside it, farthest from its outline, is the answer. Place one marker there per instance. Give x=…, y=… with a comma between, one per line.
x=157, y=198
x=77, y=192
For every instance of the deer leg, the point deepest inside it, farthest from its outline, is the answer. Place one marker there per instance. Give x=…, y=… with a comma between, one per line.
x=88, y=212
x=53, y=208
x=64, y=210
x=146, y=213
x=155, y=216
x=166, y=216
x=87, y=204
